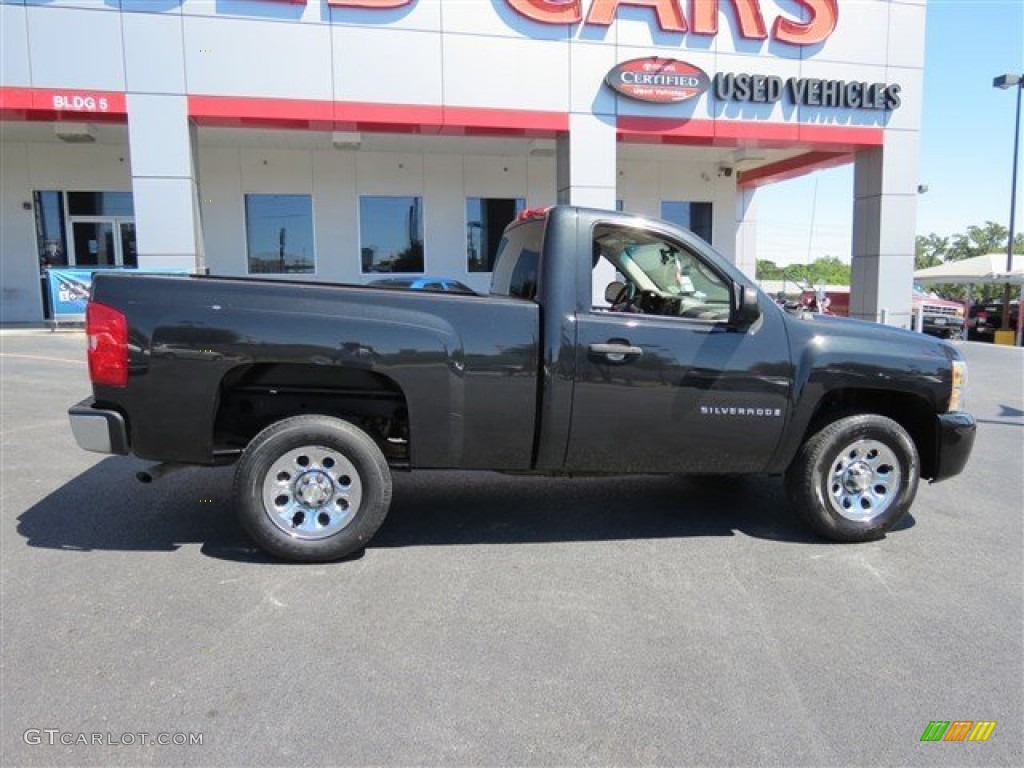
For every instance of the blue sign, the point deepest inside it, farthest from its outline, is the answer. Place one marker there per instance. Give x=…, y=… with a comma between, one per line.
x=69, y=289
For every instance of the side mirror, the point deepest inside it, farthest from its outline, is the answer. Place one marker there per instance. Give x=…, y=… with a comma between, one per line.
x=747, y=311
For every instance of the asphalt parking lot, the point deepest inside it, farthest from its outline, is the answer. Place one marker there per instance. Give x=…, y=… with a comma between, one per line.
x=499, y=620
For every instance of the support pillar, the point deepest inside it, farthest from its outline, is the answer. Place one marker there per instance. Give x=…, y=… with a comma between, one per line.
x=164, y=182
x=884, y=221
x=585, y=162
x=585, y=166
x=746, y=231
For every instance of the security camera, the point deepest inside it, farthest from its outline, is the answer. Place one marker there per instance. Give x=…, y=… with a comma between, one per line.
x=724, y=170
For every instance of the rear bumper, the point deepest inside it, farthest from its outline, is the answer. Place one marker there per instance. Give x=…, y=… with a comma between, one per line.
x=956, y=439
x=97, y=429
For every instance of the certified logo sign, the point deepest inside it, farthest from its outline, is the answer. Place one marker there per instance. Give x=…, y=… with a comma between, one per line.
x=663, y=81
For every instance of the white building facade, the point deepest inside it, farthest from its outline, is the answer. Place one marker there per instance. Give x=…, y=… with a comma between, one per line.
x=342, y=140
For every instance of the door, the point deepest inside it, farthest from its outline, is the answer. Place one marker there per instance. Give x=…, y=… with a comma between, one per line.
x=95, y=243
x=664, y=382
x=103, y=242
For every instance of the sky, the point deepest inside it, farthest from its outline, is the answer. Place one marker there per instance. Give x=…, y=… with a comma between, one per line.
x=966, y=142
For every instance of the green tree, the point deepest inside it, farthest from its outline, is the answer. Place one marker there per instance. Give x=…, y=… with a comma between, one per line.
x=825, y=269
x=829, y=270
x=795, y=272
x=977, y=241
x=768, y=270
x=930, y=251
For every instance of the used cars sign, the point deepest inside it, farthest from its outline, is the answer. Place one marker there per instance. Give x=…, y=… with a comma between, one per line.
x=658, y=80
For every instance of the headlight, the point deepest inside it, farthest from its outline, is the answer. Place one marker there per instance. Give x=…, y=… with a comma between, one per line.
x=956, y=396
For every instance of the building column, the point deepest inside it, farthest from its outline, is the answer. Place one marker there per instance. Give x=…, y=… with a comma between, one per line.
x=164, y=182
x=585, y=162
x=884, y=230
x=746, y=231
x=585, y=173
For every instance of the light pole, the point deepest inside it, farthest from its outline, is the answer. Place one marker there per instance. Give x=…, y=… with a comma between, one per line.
x=1004, y=82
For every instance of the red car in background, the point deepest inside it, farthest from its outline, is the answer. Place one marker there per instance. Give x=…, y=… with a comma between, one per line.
x=987, y=317
x=942, y=317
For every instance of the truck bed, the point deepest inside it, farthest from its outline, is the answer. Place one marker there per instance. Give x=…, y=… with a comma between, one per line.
x=258, y=342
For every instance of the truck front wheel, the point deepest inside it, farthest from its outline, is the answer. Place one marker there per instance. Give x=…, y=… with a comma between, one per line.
x=855, y=478
x=312, y=488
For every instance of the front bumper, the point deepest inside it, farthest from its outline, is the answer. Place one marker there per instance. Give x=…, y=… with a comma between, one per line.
x=943, y=325
x=98, y=429
x=956, y=432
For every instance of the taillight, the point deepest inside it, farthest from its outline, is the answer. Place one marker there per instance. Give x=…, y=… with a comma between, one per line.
x=107, y=330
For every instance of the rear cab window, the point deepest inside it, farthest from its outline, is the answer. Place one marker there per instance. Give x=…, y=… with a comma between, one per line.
x=518, y=260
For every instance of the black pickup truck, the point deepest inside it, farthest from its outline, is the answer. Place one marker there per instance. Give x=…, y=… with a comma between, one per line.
x=678, y=365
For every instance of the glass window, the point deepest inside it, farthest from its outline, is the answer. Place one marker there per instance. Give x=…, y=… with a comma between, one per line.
x=517, y=260
x=524, y=277
x=391, y=234
x=695, y=217
x=279, y=234
x=129, y=251
x=101, y=204
x=656, y=276
x=51, y=239
x=486, y=219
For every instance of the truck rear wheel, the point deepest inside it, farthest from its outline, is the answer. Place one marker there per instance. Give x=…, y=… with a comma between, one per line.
x=855, y=478
x=312, y=488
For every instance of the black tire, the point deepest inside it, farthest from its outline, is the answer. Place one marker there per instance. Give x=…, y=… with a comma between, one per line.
x=312, y=488
x=824, y=481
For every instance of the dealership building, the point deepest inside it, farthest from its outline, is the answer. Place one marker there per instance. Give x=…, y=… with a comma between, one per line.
x=341, y=140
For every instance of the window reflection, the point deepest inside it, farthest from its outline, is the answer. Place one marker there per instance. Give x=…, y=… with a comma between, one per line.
x=391, y=233
x=279, y=234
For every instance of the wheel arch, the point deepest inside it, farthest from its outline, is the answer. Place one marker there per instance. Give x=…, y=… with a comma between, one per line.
x=251, y=397
x=911, y=411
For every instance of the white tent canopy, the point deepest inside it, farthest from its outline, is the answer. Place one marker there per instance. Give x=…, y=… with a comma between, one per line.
x=989, y=269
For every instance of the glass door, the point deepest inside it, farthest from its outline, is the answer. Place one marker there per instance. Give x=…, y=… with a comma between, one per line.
x=95, y=244
x=104, y=243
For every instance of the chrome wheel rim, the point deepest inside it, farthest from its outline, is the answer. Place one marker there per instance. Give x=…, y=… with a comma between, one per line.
x=863, y=480
x=312, y=492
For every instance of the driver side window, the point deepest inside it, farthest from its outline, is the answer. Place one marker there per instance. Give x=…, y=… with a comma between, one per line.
x=644, y=273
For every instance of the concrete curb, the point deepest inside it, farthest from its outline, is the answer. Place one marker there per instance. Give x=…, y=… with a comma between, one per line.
x=36, y=330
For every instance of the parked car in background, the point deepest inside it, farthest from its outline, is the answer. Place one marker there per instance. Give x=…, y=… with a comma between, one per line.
x=986, y=317
x=436, y=284
x=942, y=317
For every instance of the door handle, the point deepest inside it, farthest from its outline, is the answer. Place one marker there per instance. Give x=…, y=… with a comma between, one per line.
x=615, y=352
